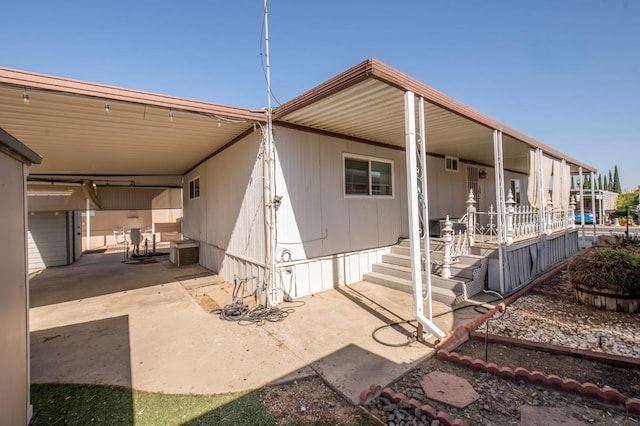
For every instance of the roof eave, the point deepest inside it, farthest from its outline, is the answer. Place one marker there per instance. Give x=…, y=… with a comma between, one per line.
x=34, y=81
x=372, y=68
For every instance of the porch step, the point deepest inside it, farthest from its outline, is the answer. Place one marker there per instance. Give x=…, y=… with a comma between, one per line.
x=467, y=273
x=440, y=294
x=468, y=259
x=390, y=266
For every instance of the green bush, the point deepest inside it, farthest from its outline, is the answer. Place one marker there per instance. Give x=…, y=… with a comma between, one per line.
x=613, y=269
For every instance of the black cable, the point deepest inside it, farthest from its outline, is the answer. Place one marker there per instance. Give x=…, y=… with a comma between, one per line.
x=413, y=337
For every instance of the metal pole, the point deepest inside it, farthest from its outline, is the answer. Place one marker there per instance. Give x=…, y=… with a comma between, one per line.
x=413, y=209
x=268, y=186
x=88, y=224
x=500, y=201
x=582, y=203
x=425, y=205
x=593, y=205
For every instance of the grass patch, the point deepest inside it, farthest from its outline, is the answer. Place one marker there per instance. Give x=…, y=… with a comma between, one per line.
x=66, y=404
x=69, y=404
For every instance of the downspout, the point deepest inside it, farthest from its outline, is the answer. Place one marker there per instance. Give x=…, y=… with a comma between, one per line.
x=500, y=201
x=414, y=227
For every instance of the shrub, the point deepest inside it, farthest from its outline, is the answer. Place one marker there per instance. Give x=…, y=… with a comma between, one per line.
x=614, y=269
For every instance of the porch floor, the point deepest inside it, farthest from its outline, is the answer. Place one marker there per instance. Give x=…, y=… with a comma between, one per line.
x=102, y=321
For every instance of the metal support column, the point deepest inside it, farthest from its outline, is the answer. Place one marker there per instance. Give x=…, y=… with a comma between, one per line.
x=88, y=224
x=542, y=223
x=501, y=202
x=581, y=203
x=424, y=205
x=413, y=214
x=593, y=205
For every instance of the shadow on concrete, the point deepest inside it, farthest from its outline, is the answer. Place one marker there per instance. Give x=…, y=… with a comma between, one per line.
x=83, y=279
x=94, y=352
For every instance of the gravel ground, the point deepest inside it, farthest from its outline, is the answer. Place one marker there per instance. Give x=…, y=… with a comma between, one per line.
x=546, y=315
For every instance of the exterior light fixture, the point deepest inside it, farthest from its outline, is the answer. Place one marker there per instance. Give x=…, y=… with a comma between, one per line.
x=219, y=122
x=106, y=107
x=171, y=114
x=25, y=96
x=482, y=174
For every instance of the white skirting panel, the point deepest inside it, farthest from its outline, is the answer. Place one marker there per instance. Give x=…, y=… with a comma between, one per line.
x=297, y=278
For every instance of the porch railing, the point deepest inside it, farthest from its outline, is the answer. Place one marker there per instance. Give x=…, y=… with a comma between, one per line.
x=522, y=222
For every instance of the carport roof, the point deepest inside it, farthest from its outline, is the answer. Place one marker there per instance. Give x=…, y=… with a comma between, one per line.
x=68, y=123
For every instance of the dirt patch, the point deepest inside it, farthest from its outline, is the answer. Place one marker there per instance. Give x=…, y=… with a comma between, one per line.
x=309, y=401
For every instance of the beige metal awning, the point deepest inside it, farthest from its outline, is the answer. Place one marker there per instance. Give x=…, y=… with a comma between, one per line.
x=90, y=131
x=366, y=102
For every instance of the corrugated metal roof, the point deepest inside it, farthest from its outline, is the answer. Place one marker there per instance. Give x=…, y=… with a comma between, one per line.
x=65, y=121
x=366, y=102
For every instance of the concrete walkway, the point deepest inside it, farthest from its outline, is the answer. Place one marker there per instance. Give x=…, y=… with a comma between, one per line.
x=103, y=321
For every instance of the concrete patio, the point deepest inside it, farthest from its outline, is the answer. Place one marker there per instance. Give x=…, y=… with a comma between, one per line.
x=107, y=322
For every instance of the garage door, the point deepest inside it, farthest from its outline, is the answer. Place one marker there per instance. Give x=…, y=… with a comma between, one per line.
x=47, y=239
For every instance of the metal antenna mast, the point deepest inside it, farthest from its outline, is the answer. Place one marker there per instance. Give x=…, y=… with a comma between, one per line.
x=271, y=297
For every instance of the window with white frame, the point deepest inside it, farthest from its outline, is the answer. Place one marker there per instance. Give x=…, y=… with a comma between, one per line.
x=194, y=188
x=451, y=163
x=366, y=176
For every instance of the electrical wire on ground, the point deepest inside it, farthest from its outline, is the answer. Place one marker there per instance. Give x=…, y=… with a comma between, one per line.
x=241, y=313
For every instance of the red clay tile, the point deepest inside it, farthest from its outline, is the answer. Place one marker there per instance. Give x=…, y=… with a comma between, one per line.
x=633, y=406
x=388, y=393
x=572, y=386
x=612, y=396
x=429, y=411
x=590, y=390
x=444, y=418
x=443, y=354
x=507, y=373
x=414, y=404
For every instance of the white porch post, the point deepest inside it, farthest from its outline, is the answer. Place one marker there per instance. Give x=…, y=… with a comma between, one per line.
x=542, y=223
x=593, y=205
x=581, y=202
x=88, y=224
x=565, y=205
x=425, y=207
x=414, y=226
x=500, y=201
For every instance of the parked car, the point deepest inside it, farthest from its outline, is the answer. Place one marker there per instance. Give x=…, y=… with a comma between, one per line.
x=588, y=216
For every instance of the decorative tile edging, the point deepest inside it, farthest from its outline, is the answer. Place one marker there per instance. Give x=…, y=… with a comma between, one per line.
x=611, y=359
x=375, y=391
x=605, y=395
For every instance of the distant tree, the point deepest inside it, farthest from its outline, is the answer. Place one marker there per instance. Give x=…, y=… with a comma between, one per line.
x=587, y=182
x=616, y=181
x=600, y=182
x=605, y=184
x=610, y=187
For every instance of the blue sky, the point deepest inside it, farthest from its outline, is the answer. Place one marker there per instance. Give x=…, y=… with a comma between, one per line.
x=566, y=72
